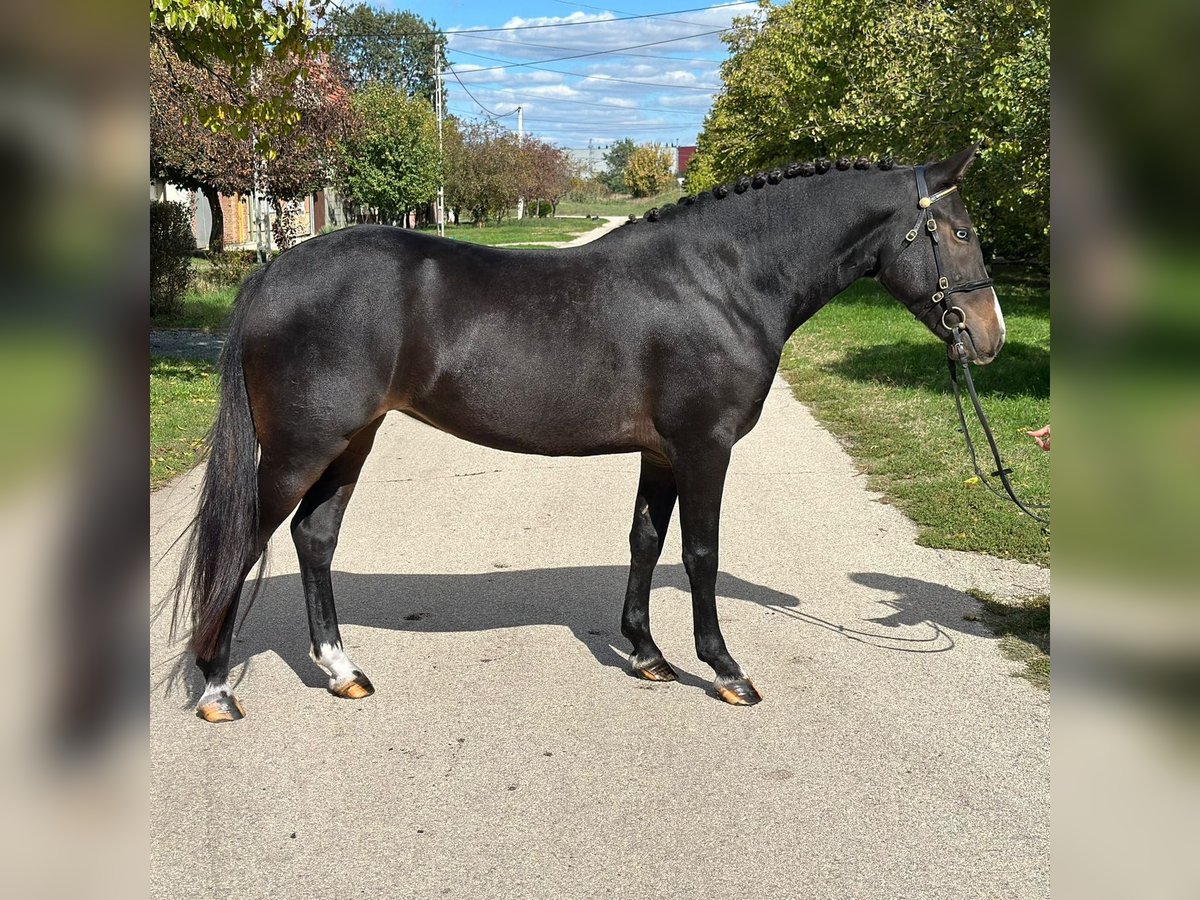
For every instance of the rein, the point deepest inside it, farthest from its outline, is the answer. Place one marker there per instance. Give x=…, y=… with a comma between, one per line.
x=961, y=337
x=1002, y=472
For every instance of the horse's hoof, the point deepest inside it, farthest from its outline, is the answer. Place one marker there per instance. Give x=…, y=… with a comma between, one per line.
x=356, y=688
x=224, y=708
x=655, y=670
x=739, y=692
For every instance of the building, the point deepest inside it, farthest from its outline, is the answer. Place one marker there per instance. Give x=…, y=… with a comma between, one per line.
x=309, y=215
x=683, y=156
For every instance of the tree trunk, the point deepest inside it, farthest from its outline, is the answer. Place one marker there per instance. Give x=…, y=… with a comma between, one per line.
x=216, y=234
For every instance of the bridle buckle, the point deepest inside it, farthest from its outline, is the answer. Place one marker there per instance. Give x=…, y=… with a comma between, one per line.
x=943, y=283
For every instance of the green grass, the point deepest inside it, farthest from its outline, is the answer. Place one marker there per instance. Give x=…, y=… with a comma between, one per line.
x=877, y=378
x=618, y=206
x=183, y=401
x=210, y=296
x=206, y=308
x=1023, y=627
x=525, y=231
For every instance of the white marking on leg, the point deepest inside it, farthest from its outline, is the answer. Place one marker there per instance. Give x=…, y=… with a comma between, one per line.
x=333, y=659
x=214, y=691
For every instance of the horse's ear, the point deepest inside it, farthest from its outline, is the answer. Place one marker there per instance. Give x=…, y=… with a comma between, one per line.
x=951, y=171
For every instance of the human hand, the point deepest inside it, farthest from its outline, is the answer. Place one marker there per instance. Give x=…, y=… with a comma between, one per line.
x=1042, y=436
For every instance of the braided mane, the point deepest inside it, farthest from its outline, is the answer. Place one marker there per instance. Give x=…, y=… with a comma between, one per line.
x=762, y=179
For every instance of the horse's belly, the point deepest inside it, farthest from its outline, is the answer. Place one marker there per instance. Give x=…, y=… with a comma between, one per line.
x=550, y=421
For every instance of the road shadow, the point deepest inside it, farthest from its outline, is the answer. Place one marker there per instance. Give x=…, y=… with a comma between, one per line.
x=584, y=599
x=1020, y=370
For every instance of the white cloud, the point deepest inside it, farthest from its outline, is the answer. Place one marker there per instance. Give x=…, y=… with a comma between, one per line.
x=669, y=108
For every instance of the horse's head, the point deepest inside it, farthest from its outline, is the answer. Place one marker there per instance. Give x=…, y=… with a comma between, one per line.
x=936, y=268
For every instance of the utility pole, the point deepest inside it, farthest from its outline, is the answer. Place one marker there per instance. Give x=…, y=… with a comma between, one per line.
x=256, y=206
x=441, y=193
x=520, y=141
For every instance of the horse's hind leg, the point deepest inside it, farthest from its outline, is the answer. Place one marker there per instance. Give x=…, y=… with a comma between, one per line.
x=282, y=481
x=315, y=530
x=651, y=517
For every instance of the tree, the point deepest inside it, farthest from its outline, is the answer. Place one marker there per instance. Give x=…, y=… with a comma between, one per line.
x=913, y=81
x=550, y=172
x=186, y=153
x=648, y=171
x=234, y=40
x=394, y=48
x=182, y=150
x=615, y=161
x=389, y=160
x=486, y=170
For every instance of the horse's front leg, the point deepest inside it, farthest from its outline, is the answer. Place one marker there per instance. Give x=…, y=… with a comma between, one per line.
x=700, y=477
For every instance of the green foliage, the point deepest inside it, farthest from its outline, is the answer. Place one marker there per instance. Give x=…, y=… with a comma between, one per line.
x=171, y=248
x=394, y=48
x=227, y=269
x=241, y=37
x=914, y=81
x=586, y=190
x=390, y=159
x=648, y=170
x=615, y=161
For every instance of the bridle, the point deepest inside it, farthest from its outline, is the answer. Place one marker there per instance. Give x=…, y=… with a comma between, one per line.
x=939, y=297
x=960, y=337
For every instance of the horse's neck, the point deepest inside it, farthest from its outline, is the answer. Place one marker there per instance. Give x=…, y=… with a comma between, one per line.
x=805, y=242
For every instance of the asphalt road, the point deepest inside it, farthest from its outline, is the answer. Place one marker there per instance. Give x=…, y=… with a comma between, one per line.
x=507, y=753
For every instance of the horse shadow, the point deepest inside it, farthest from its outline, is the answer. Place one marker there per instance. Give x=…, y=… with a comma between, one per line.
x=584, y=599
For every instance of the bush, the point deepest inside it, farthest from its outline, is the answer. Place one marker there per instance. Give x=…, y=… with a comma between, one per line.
x=648, y=171
x=230, y=268
x=171, y=247
x=587, y=190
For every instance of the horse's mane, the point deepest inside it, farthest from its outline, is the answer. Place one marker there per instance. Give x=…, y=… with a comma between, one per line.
x=760, y=180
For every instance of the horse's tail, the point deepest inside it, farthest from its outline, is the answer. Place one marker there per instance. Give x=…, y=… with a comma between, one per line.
x=223, y=535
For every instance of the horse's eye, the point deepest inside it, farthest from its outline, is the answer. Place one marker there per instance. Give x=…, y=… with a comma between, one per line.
x=962, y=234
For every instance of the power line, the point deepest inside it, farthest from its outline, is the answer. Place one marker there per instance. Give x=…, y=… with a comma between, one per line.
x=494, y=115
x=593, y=122
x=658, y=15
x=682, y=87
x=623, y=12
x=538, y=98
x=620, y=50
x=517, y=65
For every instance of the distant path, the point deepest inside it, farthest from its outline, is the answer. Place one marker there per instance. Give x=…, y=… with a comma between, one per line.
x=610, y=222
x=186, y=343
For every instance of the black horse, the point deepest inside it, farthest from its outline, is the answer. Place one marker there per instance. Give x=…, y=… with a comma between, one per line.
x=661, y=338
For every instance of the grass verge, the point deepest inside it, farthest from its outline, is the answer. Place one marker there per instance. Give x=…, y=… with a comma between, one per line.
x=618, y=206
x=206, y=308
x=876, y=377
x=1023, y=627
x=524, y=231
x=183, y=401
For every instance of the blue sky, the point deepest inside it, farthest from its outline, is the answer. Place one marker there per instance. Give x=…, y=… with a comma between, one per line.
x=675, y=77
